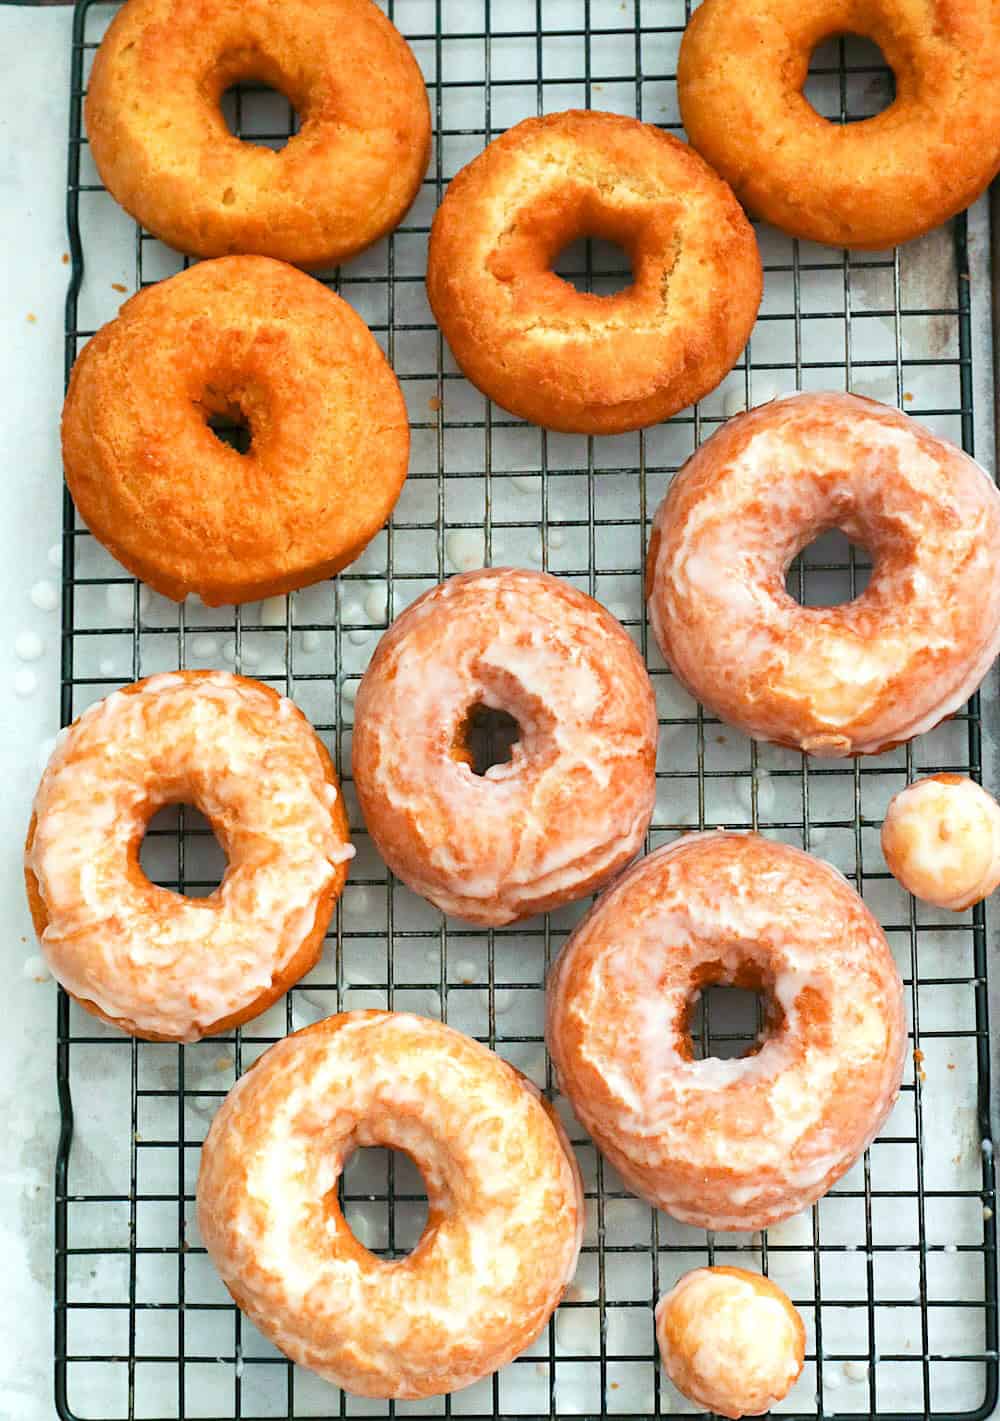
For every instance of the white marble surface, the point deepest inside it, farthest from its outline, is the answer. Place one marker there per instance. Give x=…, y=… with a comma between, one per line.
x=34, y=83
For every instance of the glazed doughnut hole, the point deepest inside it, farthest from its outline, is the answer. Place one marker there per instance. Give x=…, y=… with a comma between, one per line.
x=486, y=737
x=180, y=852
x=829, y=572
x=725, y=1022
x=384, y=1201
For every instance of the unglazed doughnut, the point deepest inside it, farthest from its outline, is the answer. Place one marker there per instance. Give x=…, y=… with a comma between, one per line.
x=158, y=964
x=728, y=1144
x=730, y=1340
x=573, y=803
x=941, y=839
x=570, y=360
x=505, y=1204
x=162, y=147
x=239, y=337
x=845, y=680
x=740, y=79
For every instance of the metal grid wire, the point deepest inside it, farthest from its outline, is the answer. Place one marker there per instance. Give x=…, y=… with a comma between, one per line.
x=894, y=1272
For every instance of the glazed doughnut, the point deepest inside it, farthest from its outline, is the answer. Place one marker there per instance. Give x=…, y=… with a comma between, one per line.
x=505, y=1204
x=158, y=964
x=570, y=360
x=933, y=151
x=239, y=337
x=941, y=839
x=730, y=1340
x=729, y=1144
x=571, y=806
x=846, y=680
x=163, y=150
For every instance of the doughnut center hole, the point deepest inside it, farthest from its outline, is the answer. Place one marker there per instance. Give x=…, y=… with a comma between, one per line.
x=384, y=1201
x=726, y=1021
x=180, y=852
x=232, y=429
x=258, y=113
x=829, y=572
x=486, y=737
x=594, y=265
x=849, y=79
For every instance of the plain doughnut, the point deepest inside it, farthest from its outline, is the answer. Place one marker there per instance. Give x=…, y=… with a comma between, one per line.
x=875, y=183
x=571, y=806
x=567, y=359
x=251, y=339
x=505, y=1215
x=728, y=1144
x=730, y=1340
x=158, y=964
x=941, y=840
x=844, y=680
x=163, y=150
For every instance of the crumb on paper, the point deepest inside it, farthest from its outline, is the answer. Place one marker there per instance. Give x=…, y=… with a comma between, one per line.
x=434, y=404
x=908, y=397
x=918, y=1059
x=951, y=1065
x=118, y=286
x=720, y=740
x=31, y=318
x=223, y=1063
x=65, y=258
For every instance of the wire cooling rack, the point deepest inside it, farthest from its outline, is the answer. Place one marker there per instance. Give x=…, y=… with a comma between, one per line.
x=895, y=1270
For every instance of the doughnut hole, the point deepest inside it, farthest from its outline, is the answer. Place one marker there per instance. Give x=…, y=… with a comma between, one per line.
x=830, y=571
x=849, y=79
x=591, y=265
x=383, y=1199
x=230, y=414
x=486, y=737
x=546, y=237
x=180, y=852
x=258, y=102
x=729, y=1015
x=260, y=115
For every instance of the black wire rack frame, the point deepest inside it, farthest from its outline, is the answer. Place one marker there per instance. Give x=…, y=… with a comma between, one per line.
x=139, y=1318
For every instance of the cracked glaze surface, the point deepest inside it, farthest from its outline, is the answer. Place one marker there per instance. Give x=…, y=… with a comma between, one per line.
x=505, y=1204
x=154, y=962
x=845, y=680
x=573, y=803
x=728, y=1144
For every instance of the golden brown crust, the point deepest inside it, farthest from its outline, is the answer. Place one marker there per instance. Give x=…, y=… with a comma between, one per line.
x=873, y=184
x=163, y=150
x=181, y=510
x=312, y=943
x=569, y=360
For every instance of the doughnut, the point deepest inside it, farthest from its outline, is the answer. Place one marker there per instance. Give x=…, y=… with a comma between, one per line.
x=730, y=1340
x=573, y=803
x=164, y=152
x=872, y=184
x=941, y=839
x=251, y=339
x=570, y=360
x=161, y=965
x=853, y=679
x=505, y=1204
x=728, y=1144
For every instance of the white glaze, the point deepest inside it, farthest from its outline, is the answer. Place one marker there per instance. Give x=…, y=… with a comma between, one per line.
x=168, y=964
x=500, y=1244
x=851, y=679
x=204, y=647
x=311, y=642
x=728, y=1342
x=728, y=1144
x=55, y=556
x=25, y=682
x=573, y=802
x=28, y=646
x=45, y=595
x=941, y=839
x=466, y=549
x=274, y=612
